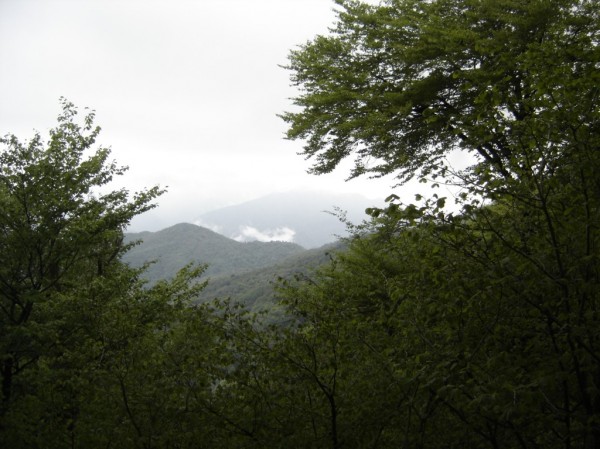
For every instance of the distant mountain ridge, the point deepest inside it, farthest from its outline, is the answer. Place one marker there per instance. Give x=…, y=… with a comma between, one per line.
x=174, y=247
x=299, y=217
x=244, y=272
x=245, y=269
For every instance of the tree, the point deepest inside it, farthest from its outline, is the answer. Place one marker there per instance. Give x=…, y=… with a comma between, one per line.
x=499, y=301
x=402, y=84
x=61, y=231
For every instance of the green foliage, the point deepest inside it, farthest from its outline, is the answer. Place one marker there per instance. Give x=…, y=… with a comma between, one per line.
x=73, y=317
x=58, y=232
x=477, y=328
x=487, y=318
x=402, y=84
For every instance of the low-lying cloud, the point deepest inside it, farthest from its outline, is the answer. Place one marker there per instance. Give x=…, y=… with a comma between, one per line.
x=250, y=233
x=212, y=227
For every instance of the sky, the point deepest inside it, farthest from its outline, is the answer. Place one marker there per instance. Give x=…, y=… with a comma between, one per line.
x=187, y=92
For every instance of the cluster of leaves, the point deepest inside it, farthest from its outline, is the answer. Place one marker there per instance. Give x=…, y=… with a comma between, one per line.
x=401, y=84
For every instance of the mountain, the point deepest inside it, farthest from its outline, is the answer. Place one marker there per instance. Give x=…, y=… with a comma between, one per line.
x=256, y=289
x=178, y=245
x=300, y=217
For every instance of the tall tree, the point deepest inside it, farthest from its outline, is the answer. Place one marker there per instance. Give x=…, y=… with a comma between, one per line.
x=61, y=230
x=402, y=84
x=502, y=312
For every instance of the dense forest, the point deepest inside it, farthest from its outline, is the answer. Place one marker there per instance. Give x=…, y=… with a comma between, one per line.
x=465, y=321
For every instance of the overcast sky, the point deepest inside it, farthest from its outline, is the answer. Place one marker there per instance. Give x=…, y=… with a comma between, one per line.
x=186, y=92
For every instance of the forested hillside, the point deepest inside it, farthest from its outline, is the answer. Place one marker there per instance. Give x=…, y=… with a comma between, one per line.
x=257, y=289
x=472, y=326
x=179, y=245
x=247, y=272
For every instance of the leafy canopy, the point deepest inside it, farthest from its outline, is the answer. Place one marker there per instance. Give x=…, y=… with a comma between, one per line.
x=61, y=236
x=400, y=85
x=485, y=322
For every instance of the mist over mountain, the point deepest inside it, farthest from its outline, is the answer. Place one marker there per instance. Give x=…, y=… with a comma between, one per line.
x=304, y=218
x=247, y=237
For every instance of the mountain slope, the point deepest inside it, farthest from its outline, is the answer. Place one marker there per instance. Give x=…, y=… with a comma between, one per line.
x=183, y=243
x=256, y=289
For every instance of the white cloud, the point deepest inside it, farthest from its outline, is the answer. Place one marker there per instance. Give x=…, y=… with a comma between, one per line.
x=212, y=227
x=250, y=233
